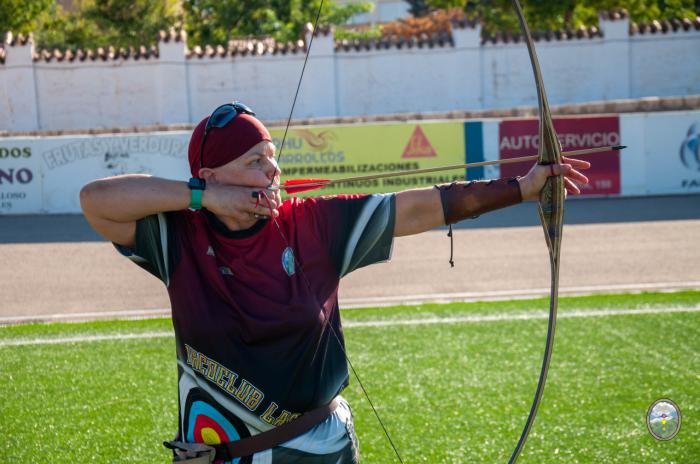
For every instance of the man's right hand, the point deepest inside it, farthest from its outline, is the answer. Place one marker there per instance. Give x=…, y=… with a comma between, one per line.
x=239, y=203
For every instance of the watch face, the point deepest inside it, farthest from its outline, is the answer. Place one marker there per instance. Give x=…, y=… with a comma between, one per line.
x=196, y=183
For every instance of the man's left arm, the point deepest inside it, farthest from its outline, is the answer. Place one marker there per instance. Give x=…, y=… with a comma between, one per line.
x=420, y=210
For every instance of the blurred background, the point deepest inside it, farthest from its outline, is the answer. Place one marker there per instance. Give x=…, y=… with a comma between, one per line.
x=98, y=88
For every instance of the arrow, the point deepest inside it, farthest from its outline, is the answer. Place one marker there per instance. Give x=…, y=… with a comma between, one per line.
x=293, y=186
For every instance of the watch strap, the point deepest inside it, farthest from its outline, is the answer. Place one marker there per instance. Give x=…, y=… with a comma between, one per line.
x=196, y=198
x=196, y=186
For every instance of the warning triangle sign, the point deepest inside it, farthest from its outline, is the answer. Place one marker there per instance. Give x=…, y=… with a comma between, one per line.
x=418, y=145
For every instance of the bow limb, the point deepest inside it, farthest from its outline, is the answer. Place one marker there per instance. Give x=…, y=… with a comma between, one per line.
x=551, y=212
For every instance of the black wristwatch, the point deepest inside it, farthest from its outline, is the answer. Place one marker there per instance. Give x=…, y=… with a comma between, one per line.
x=196, y=186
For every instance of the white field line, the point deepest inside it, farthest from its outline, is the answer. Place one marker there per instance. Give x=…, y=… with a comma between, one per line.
x=478, y=318
x=88, y=316
x=379, y=301
x=472, y=319
x=513, y=294
x=84, y=338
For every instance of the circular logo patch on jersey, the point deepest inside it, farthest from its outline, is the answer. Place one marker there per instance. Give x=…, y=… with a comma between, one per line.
x=288, y=261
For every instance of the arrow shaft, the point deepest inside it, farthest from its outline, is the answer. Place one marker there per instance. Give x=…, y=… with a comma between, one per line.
x=520, y=159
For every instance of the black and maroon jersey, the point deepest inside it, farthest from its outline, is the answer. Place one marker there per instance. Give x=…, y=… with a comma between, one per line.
x=255, y=312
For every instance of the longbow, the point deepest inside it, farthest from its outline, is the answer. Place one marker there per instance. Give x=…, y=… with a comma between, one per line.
x=551, y=212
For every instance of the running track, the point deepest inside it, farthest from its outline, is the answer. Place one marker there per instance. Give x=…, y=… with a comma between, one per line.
x=55, y=268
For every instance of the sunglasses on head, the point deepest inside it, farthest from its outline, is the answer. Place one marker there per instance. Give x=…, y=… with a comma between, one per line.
x=219, y=118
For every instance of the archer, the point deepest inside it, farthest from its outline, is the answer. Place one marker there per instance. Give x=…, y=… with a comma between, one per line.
x=253, y=284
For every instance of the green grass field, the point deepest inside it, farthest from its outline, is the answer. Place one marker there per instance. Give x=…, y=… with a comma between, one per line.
x=454, y=390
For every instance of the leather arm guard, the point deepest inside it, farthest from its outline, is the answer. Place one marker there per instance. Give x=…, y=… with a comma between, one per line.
x=462, y=200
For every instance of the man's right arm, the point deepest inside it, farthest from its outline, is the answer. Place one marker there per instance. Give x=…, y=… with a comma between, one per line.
x=113, y=205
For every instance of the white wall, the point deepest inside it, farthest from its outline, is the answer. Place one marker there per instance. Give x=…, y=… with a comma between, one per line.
x=665, y=64
x=462, y=75
x=382, y=82
x=119, y=94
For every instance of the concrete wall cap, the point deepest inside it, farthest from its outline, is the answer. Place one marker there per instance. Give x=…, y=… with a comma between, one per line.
x=558, y=35
x=15, y=40
x=665, y=26
x=616, y=14
x=647, y=104
x=104, y=54
x=246, y=47
x=172, y=35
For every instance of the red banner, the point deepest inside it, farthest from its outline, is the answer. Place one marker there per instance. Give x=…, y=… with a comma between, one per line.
x=520, y=137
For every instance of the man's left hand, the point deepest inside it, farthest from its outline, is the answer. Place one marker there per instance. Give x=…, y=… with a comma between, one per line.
x=533, y=182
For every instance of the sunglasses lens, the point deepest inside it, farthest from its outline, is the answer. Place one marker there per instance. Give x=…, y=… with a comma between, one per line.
x=222, y=116
x=243, y=108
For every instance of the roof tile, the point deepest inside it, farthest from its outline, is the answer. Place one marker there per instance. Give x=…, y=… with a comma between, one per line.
x=21, y=40
x=614, y=14
x=172, y=35
x=665, y=26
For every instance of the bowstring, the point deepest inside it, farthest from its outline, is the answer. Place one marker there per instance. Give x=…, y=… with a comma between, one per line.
x=296, y=94
x=326, y=322
x=298, y=263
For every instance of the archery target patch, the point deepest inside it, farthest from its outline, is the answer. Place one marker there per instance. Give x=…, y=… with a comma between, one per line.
x=206, y=422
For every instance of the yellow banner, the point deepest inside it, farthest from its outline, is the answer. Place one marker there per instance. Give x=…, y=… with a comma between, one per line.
x=335, y=152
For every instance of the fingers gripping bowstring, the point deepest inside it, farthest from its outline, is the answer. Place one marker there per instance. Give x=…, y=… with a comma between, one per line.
x=299, y=265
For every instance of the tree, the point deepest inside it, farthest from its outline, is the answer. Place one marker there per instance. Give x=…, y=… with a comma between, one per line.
x=98, y=23
x=420, y=8
x=58, y=29
x=131, y=22
x=497, y=15
x=125, y=23
x=217, y=21
x=20, y=16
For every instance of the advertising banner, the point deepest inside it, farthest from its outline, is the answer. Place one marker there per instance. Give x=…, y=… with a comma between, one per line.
x=520, y=137
x=45, y=174
x=334, y=152
x=673, y=153
x=475, y=151
x=20, y=177
x=68, y=163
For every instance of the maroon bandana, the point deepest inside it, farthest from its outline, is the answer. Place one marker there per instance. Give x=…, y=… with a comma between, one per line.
x=225, y=144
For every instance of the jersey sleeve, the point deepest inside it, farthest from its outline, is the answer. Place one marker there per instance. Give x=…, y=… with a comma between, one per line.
x=152, y=250
x=359, y=229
